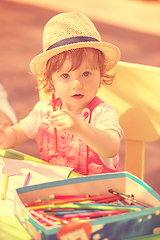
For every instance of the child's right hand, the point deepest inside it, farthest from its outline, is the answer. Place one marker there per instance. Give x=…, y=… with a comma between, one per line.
x=3, y=128
x=66, y=121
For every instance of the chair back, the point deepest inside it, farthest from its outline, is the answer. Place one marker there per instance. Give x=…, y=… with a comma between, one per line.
x=135, y=95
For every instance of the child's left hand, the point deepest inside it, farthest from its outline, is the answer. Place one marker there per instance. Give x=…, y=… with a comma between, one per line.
x=66, y=121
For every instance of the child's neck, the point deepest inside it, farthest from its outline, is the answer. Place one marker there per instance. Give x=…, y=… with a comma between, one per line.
x=75, y=110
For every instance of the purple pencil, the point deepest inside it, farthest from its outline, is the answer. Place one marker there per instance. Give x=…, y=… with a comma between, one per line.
x=27, y=180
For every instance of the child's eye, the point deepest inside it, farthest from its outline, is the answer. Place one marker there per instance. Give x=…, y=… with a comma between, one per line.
x=65, y=75
x=86, y=74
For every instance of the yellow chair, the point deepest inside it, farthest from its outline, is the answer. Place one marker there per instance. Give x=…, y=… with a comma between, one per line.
x=135, y=94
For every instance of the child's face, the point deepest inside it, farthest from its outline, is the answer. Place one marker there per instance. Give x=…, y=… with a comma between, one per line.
x=76, y=88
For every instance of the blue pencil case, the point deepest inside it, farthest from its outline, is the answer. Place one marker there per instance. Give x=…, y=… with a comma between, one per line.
x=132, y=225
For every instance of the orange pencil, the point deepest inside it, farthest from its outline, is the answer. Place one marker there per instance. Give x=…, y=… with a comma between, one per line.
x=74, y=199
x=55, y=129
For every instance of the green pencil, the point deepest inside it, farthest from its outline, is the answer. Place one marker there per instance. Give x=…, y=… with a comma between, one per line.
x=85, y=206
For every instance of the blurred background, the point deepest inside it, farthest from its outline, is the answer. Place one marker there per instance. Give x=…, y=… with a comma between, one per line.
x=133, y=26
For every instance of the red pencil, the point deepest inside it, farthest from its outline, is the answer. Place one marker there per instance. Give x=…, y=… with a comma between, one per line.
x=53, y=198
x=107, y=200
x=55, y=129
x=83, y=199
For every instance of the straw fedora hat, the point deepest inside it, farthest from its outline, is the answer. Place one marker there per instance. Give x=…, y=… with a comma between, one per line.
x=71, y=30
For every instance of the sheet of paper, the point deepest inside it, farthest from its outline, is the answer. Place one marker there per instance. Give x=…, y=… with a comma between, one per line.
x=17, y=171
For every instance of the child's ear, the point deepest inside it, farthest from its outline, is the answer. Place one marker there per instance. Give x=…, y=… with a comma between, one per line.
x=104, y=70
x=44, y=73
x=101, y=81
x=103, y=74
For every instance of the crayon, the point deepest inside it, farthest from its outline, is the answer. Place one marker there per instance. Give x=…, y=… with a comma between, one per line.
x=27, y=180
x=5, y=187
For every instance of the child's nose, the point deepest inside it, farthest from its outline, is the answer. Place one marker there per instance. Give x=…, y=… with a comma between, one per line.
x=77, y=84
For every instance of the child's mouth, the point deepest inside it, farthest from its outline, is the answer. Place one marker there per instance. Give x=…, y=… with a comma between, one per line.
x=77, y=96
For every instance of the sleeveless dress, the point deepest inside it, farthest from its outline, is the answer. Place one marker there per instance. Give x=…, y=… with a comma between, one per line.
x=72, y=152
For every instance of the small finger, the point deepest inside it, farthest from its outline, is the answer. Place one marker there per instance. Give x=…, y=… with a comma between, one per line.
x=4, y=126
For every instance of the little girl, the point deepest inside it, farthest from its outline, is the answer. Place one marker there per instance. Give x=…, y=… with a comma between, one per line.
x=74, y=64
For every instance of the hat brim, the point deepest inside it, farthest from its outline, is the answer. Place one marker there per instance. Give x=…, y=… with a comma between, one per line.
x=110, y=51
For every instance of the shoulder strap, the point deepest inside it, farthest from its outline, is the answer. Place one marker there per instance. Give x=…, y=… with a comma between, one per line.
x=94, y=103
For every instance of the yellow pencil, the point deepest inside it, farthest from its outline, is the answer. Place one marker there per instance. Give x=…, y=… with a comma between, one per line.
x=5, y=187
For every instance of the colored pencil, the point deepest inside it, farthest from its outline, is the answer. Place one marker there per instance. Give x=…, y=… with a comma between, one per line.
x=86, y=206
x=27, y=180
x=5, y=187
x=129, y=198
x=55, y=218
x=64, y=209
x=55, y=197
x=55, y=129
x=94, y=214
x=69, y=196
x=61, y=213
x=40, y=216
x=107, y=200
x=111, y=205
x=74, y=199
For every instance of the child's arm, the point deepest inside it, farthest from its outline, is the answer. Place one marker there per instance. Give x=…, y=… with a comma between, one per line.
x=105, y=143
x=11, y=136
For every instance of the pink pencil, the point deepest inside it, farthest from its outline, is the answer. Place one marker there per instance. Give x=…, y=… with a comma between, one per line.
x=55, y=129
x=55, y=218
x=40, y=216
x=27, y=180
